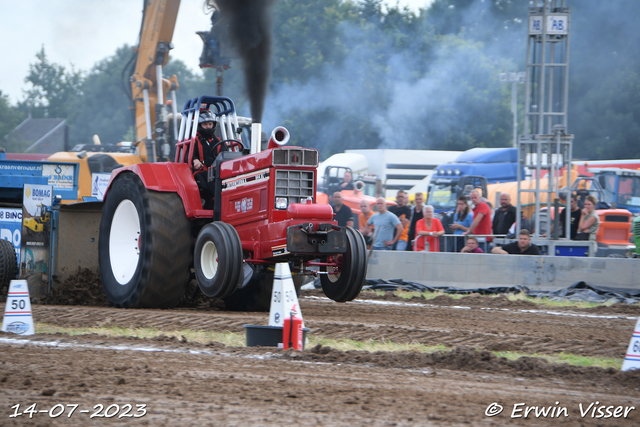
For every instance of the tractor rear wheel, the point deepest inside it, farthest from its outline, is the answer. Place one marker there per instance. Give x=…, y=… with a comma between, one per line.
x=144, y=246
x=8, y=263
x=346, y=284
x=217, y=260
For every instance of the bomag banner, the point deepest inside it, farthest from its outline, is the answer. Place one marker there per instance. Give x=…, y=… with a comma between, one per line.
x=36, y=231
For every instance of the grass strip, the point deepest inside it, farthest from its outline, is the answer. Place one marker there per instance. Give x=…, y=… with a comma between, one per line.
x=235, y=339
x=545, y=302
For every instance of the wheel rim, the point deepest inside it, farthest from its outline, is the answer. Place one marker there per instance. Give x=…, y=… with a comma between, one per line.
x=209, y=260
x=335, y=276
x=124, y=242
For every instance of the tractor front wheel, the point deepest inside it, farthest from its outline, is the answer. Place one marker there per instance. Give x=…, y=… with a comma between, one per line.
x=345, y=282
x=218, y=260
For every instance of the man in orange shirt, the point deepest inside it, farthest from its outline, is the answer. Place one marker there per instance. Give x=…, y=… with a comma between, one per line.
x=365, y=208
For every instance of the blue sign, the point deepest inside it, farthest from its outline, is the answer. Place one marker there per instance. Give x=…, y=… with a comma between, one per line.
x=11, y=227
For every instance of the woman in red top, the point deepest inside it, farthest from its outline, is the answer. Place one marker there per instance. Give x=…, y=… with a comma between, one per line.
x=429, y=228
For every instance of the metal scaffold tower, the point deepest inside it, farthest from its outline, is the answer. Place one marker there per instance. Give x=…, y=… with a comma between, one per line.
x=545, y=147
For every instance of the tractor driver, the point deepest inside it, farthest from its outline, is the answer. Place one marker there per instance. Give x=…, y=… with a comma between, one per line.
x=203, y=155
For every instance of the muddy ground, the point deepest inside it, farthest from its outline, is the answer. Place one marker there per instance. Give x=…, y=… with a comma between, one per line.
x=187, y=383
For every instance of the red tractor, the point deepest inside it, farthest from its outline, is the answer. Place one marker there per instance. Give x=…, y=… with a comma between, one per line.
x=154, y=230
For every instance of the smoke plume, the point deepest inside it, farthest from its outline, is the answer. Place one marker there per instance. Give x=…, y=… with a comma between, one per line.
x=248, y=24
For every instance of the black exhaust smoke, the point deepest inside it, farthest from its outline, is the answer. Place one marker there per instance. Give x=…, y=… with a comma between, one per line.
x=248, y=24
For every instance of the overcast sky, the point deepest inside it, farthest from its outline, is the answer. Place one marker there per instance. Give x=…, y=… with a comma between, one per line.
x=82, y=32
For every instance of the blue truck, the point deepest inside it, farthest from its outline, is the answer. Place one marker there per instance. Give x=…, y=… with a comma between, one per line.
x=474, y=168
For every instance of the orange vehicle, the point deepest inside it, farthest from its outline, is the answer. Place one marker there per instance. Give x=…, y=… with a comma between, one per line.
x=365, y=187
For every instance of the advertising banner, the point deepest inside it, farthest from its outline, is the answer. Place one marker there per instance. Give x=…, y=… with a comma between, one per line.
x=11, y=227
x=99, y=183
x=36, y=231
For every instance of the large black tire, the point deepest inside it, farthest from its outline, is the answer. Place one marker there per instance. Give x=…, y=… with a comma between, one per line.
x=347, y=284
x=360, y=265
x=150, y=271
x=256, y=295
x=8, y=263
x=217, y=260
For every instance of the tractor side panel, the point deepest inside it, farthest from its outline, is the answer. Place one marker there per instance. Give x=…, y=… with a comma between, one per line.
x=245, y=204
x=169, y=177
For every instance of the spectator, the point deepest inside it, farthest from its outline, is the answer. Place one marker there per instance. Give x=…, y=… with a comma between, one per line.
x=575, y=219
x=403, y=212
x=363, y=217
x=504, y=216
x=346, y=183
x=472, y=246
x=387, y=227
x=462, y=219
x=524, y=223
x=416, y=215
x=342, y=212
x=431, y=228
x=481, y=225
x=522, y=247
x=589, y=221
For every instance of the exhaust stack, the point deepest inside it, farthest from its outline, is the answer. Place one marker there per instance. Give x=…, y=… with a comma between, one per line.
x=256, y=138
x=279, y=136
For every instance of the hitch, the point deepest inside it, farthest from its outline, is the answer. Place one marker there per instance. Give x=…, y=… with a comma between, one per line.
x=321, y=238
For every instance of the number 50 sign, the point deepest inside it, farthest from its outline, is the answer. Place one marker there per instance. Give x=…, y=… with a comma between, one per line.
x=17, y=314
x=556, y=24
x=632, y=358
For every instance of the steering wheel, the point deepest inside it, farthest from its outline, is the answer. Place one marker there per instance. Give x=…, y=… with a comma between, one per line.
x=232, y=143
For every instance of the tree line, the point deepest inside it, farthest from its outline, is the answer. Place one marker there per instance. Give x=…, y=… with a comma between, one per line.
x=356, y=74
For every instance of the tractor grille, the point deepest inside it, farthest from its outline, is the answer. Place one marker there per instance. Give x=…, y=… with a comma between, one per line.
x=636, y=228
x=615, y=234
x=616, y=218
x=296, y=186
x=295, y=157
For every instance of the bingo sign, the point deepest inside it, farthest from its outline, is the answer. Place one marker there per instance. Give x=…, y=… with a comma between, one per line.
x=11, y=227
x=556, y=24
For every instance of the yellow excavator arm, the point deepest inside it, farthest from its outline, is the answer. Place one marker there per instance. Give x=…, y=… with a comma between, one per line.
x=148, y=88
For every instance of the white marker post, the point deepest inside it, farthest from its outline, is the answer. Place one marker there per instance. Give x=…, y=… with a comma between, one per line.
x=17, y=313
x=283, y=297
x=632, y=359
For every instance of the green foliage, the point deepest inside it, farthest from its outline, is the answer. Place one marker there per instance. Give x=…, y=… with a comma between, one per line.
x=604, y=88
x=396, y=84
x=10, y=117
x=103, y=109
x=306, y=37
x=54, y=89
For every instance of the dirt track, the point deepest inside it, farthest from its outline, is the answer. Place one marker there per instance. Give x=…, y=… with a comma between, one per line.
x=195, y=384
